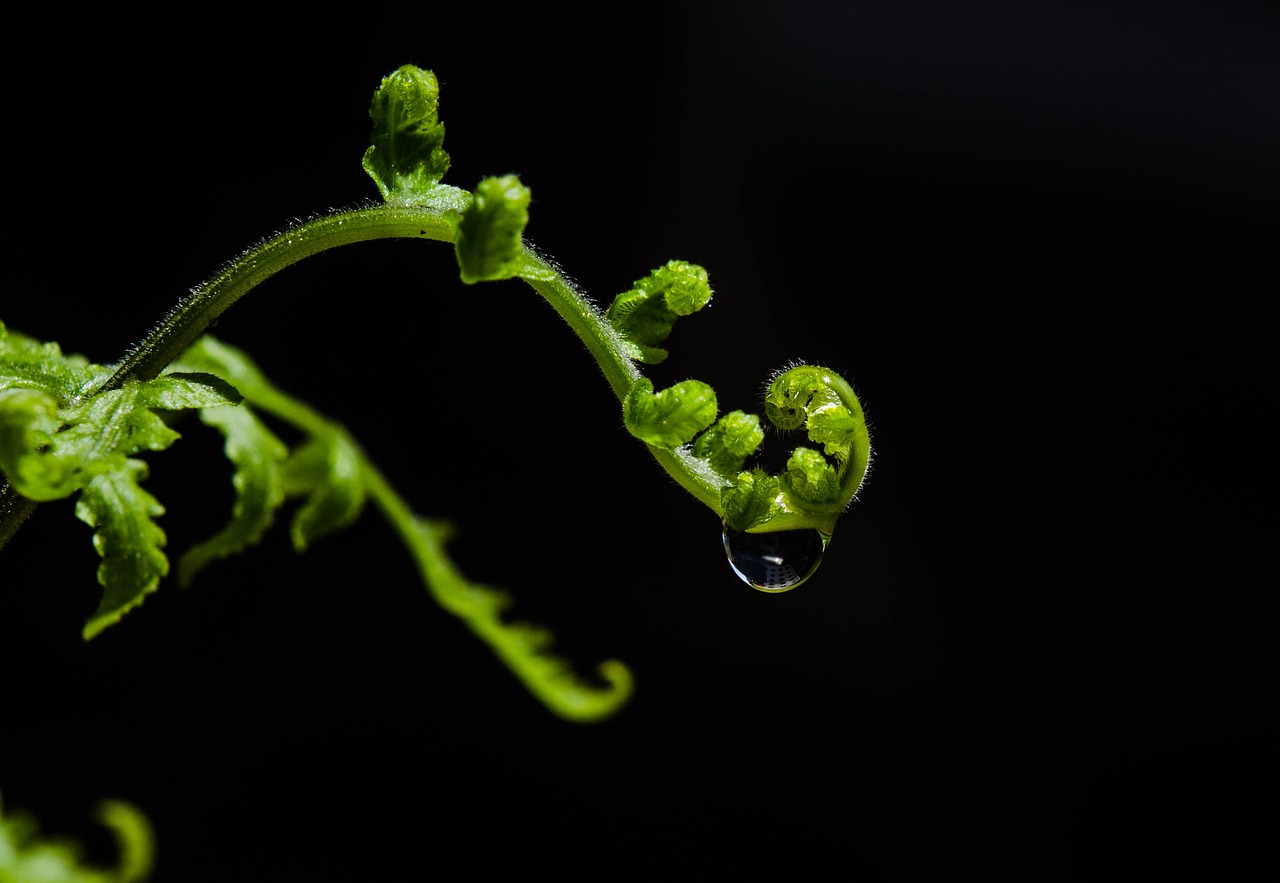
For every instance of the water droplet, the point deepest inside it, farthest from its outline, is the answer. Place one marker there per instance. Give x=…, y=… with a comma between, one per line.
x=776, y=561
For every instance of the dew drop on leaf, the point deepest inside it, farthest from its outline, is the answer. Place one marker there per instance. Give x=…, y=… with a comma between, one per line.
x=776, y=561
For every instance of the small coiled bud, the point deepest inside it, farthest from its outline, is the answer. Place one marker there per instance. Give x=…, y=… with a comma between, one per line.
x=823, y=404
x=797, y=394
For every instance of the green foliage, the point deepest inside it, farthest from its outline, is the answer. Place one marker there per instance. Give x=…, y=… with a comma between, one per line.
x=727, y=445
x=71, y=428
x=645, y=315
x=811, y=478
x=257, y=454
x=671, y=417
x=58, y=438
x=524, y=647
x=488, y=243
x=823, y=405
x=807, y=397
x=406, y=158
x=127, y=538
x=334, y=478
x=751, y=500
x=28, y=857
x=31, y=364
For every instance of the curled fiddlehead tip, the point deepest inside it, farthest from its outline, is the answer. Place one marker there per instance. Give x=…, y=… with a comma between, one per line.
x=820, y=402
x=820, y=479
x=776, y=528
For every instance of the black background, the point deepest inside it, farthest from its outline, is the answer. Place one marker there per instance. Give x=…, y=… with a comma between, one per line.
x=1037, y=237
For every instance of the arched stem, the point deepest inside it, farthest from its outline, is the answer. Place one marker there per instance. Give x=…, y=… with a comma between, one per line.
x=189, y=319
x=206, y=302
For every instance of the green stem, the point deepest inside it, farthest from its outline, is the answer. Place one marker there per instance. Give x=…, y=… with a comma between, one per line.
x=192, y=316
x=793, y=520
x=189, y=319
x=606, y=347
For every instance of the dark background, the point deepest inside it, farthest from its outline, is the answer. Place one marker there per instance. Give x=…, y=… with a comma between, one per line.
x=1037, y=237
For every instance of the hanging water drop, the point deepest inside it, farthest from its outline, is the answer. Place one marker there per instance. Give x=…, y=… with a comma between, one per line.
x=776, y=561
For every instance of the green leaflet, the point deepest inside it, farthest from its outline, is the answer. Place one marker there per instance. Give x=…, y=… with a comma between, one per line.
x=488, y=241
x=127, y=538
x=55, y=437
x=326, y=471
x=211, y=356
x=671, y=417
x=333, y=476
x=752, y=499
x=259, y=489
x=525, y=648
x=811, y=478
x=644, y=316
x=836, y=428
x=58, y=438
x=50, y=449
x=29, y=458
x=406, y=158
x=32, y=364
x=730, y=441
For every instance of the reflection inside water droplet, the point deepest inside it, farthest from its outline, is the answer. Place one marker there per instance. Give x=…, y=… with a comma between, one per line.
x=777, y=561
